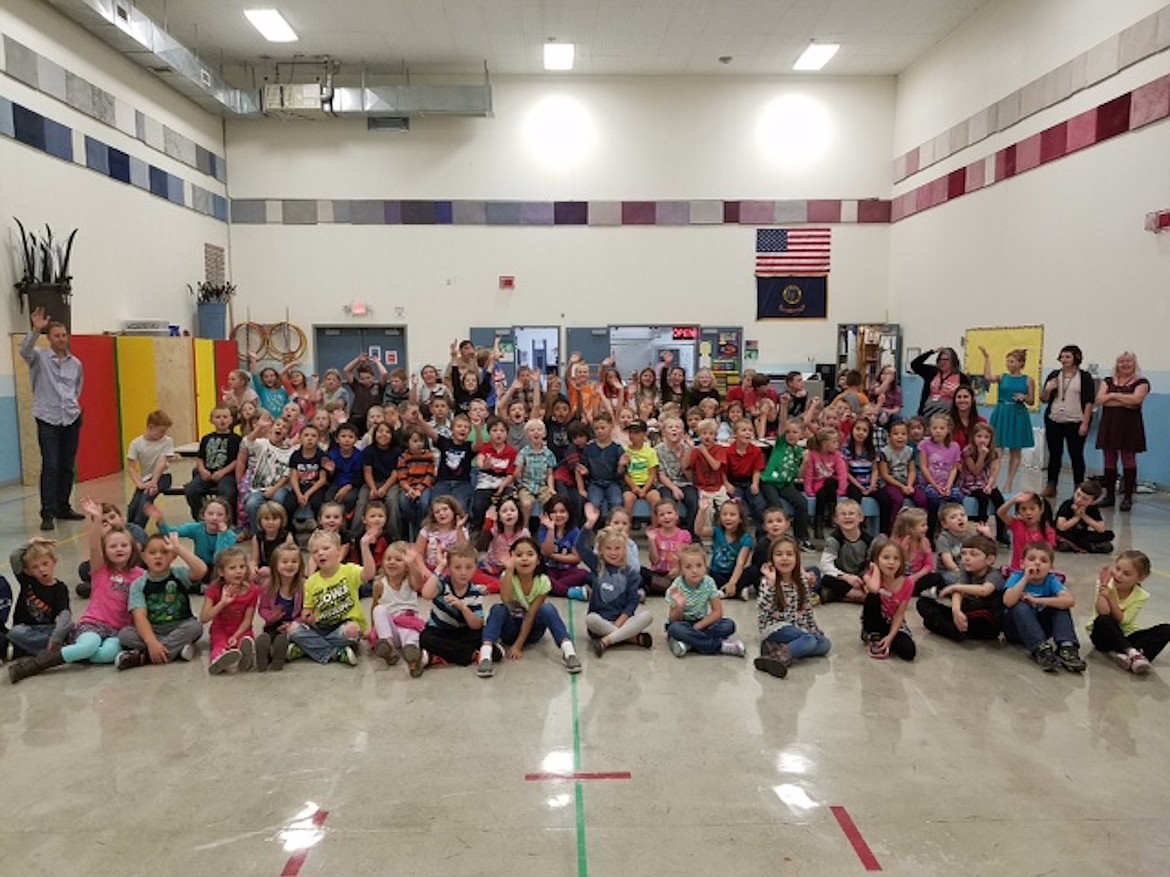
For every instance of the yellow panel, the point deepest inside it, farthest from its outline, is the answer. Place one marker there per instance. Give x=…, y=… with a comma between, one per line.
x=137, y=384
x=174, y=364
x=1000, y=341
x=206, y=391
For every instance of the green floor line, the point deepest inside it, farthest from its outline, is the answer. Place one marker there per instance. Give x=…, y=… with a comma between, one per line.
x=579, y=789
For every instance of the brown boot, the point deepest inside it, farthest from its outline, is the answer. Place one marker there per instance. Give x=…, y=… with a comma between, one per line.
x=1109, y=481
x=26, y=667
x=1128, y=483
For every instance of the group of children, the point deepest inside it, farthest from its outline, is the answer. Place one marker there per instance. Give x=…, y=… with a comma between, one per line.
x=417, y=478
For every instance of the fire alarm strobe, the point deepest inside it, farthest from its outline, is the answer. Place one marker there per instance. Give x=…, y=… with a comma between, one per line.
x=507, y=281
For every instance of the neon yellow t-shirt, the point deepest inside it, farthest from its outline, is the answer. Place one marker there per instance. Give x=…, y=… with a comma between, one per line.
x=642, y=460
x=335, y=600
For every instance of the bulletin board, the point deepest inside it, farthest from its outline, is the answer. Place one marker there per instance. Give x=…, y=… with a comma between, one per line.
x=999, y=341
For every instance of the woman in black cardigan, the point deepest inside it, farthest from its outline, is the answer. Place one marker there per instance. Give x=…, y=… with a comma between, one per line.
x=1068, y=394
x=939, y=381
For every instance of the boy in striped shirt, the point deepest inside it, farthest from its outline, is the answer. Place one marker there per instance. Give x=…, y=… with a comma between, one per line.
x=454, y=632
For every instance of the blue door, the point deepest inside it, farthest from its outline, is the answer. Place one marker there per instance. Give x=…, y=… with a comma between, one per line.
x=591, y=342
x=337, y=346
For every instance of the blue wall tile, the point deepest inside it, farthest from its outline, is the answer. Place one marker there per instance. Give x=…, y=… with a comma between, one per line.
x=28, y=126
x=9, y=440
x=119, y=165
x=97, y=156
x=158, y=181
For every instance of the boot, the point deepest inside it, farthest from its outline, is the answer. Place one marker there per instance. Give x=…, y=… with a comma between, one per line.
x=1110, y=481
x=1128, y=483
x=26, y=667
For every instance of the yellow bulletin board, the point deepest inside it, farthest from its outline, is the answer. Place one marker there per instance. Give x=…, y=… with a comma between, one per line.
x=999, y=341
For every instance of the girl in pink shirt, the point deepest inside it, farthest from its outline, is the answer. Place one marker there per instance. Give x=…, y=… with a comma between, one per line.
x=910, y=532
x=825, y=474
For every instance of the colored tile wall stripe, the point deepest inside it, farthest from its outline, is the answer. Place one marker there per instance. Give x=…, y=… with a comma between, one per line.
x=48, y=77
x=1141, y=40
x=26, y=126
x=1145, y=105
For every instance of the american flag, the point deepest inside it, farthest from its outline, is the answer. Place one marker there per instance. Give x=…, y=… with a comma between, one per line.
x=792, y=252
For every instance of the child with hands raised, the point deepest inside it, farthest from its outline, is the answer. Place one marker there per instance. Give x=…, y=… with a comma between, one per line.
x=695, y=621
x=887, y=596
x=230, y=605
x=1120, y=598
x=332, y=620
x=788, y=629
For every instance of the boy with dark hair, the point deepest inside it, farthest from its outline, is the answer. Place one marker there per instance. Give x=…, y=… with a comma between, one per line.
x=367, y=381
x=215, y=466
x=1079, y=526
x=344, y=465
x=1038, y=612
x=970, y=608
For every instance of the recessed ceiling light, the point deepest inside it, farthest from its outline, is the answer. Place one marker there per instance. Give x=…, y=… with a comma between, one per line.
x=558, y=56
x=816, y=56
x=271, y=25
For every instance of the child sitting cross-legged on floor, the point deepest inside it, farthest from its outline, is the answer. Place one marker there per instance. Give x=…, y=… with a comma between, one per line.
x=1120, y=597
x=332, y=621
x=789, y=630
x=164, y=627
x=1037, y=610
x=695, y=621
x=615, y=614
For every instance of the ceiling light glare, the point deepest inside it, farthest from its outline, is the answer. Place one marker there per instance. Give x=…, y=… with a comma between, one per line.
x=558, y=56
x=816, y=56
x=271, y=25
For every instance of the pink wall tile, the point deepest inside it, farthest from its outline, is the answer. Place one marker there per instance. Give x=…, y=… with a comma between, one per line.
x=976, y=175
x=1082, y=130
x=824, y=211
x=1028, y=154
x=1150, y=103
x=1053, y=142
x=757, y=212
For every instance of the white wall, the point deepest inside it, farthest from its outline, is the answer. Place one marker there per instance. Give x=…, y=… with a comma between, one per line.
x=1000, y=48
x=134, y=253
x=571, y=139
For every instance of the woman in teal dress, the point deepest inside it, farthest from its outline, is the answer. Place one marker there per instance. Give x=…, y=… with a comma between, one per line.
x=1010, y=420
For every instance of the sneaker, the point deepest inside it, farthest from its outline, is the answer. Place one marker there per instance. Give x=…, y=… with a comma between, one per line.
x=485, y=670
x=1101, y=548
x=747, y=594
x=579, y=593
x=772, y=666
x=807, y=547
x=572, y=664
x=1121, y=659
x=294, y=652
x=280, y=652
x=131, y=658
x=1045, y=656
x=188, y=652
x=645, y=640
x=84, y=589
x=227, y=660
x=733, y=647
x=347, y=656
x=876, y=650
x=1140, y=664
x=414, y=659
x=247, y=654
x=1070, y=658
x=47, y=523
x=386, y=651
x=598, y=646
x=263, y=652
x=677, y=647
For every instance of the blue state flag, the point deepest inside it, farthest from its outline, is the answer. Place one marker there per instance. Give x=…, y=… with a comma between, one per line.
x=792, y=298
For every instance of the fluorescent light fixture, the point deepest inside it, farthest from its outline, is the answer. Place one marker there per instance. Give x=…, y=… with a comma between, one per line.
x=271, y=25
x=558, y=56
x=816, y=56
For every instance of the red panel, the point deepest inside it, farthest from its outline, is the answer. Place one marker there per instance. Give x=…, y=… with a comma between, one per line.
x=101, y=436
x=1053, y=142
x=1113, y=117
x=1082, y=130
x=824, y=211
x=227, y=359
x=873, y=210
x=956, y=184
x=1028, y=154
x=1005, y=163
x=638, y=212
x=1150, y=103
x=731, y=211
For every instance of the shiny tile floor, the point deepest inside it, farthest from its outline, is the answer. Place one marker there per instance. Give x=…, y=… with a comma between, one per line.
x=968, y=761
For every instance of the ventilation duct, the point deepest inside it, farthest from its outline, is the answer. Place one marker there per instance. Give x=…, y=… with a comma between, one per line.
x=135, y=35
x=129, y=31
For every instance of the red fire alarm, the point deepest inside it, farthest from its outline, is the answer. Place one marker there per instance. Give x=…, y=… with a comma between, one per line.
x=507, y=281
x=1158, y=221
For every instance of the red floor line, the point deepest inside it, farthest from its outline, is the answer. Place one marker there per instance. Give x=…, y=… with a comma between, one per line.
x=868, y=859
x=552, y=777
x=297, y=860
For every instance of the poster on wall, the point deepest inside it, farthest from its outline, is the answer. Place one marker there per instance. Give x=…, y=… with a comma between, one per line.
x=375, y=352
x=1000, y=341
x=391, y=357
x=792, y=298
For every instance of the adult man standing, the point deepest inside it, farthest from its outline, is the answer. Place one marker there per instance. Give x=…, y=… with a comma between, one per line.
x=57, y=377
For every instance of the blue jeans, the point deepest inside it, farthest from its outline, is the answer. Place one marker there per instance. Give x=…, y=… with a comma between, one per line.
x=32, y=639
x=256, y=498
x=1030, y=626
x=58, y=459
x=136, y=511
x=503, y=627
x=197, y=490
x=321, y=645
x=461, y=490
x=801, y=644
x=755, y=504
x=606, y=497
x=707, y=641
x=414, y=512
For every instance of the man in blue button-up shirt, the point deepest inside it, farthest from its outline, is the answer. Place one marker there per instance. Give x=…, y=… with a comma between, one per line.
x=57, y=377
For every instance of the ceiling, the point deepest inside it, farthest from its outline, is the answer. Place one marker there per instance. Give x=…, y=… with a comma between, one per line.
x=634, y=37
